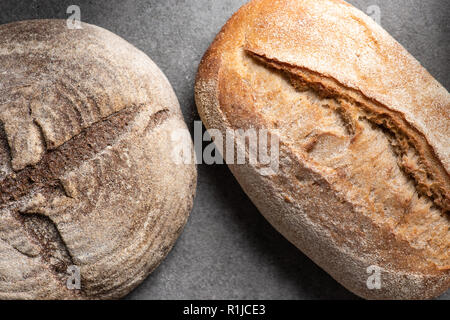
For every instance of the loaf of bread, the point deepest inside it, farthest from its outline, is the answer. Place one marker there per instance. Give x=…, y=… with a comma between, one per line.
x=364, y=133
x=87, y=177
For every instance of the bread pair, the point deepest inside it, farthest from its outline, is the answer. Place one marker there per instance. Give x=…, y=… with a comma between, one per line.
x=88, y=181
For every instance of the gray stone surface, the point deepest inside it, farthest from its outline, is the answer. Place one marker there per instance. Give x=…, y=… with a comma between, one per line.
x=228, y=250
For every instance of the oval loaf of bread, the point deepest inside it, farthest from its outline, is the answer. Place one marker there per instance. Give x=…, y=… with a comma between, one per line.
x=87, y=177
x=363, y=181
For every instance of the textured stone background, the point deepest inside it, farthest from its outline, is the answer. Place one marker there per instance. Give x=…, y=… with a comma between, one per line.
x=228, y=250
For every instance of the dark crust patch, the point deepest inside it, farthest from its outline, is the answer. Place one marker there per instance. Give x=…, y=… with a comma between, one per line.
x=46, y=234
x=4, y=141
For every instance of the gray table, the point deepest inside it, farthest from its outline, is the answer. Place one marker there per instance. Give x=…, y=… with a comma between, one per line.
x=228, y=250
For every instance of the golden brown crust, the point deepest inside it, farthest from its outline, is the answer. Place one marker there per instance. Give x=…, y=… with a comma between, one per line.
x=348, y=104
x=86, y=170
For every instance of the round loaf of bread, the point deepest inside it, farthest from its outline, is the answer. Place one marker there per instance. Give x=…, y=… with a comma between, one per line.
x=362, y=185
x=88, y=182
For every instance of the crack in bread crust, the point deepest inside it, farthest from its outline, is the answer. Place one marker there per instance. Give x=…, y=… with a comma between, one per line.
x=45, y=175
x=430, y=177
x=54, y=252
